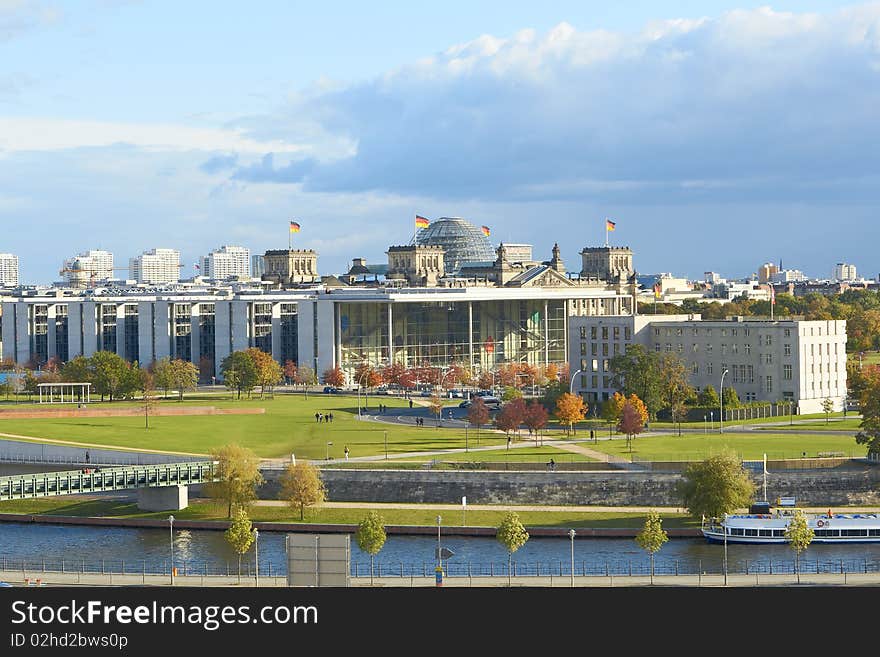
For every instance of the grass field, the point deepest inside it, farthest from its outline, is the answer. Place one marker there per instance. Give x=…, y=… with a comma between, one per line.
x=288, y=426
x=747, y=446
x=199, y=510
x=820, y=425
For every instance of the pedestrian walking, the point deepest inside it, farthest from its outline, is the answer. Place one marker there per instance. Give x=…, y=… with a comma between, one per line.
x=317, y=417
x=330, y=417
x=410, y=403
x=346, y=452
x=88, y=458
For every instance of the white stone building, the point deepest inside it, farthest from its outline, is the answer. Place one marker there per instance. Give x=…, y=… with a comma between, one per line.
x=227, y=262
x=156, y=267
x=783, y=360
x=8, y=270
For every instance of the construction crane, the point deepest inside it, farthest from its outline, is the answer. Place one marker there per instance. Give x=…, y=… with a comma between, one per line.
x=93, y=273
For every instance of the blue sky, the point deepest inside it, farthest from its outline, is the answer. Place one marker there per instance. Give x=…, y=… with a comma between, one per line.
x=717, y=134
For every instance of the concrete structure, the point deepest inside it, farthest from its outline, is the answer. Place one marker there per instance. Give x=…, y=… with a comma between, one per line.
x=166, y=498
x=156, y=267
x=227, y=262
x=8, y=270
x=87, y=269
x=784, y=360
x=419, y=266
x=844, y=272
x=318, y=559
x=258, y=266
x=291, y=266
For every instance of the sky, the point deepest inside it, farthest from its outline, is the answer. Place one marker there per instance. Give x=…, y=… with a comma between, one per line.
x=717, y=135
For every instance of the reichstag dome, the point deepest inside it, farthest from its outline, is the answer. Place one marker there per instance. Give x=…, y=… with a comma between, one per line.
x=462, y=241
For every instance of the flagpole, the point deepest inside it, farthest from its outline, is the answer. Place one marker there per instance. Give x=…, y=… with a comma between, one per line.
x=289, y=237
x=606, y=232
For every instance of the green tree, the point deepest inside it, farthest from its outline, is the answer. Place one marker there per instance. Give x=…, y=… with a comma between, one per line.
x=163, y=376
x=269, y=372
x=238, y=471
x=240, y=535
x=638, y=372
x=674, y=386
x=371, y=536
x=799, y=536
x=77, y=370
x=512, y=535
x=510, y=393
x=716, y=486
x=731, y=399
x=184, y=376
x=869, y=434
x=306, y=376
x=709, y=397
x=827, y=408
x=301, y=485
x=652, y=537
x=239, y=372
x=112, y=376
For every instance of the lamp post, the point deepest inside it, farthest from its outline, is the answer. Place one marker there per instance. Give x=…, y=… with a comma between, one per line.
x=257, y=556
x=571, y=535
x=328, y=451
x=571, y=384
x=360, y=384
x=439, y=554
x=171, y=535
x=721, y=417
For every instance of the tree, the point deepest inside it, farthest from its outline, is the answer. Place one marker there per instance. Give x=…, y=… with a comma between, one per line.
x=112, y=375
x=486, y=380
x=268, y=370
x=631, y=422
x=799, y=535
x=149, y=400
x=652, y=537
x=512, y=535
x=289, y=371
x=478, y=414
x=306, y=376
x=301, y=485
x=827, y=408
x=638, y=371
x=239, y=372
x=371, y=536
x=612, y=408
x=333, y=376
x=510, y=393
x=238, y=471
x=163, y=376
x=184, y=376
x=674, y=386
x=436, y=406
x=716, y=486
x=870, y=425
x=570, y=409
x=731, y=399
x=535, y=418
x=511, y=416
x=708, y=397
x=77, y=370
x=240, y=535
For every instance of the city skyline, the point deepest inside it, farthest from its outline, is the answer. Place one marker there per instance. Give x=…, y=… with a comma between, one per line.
x=686, y=127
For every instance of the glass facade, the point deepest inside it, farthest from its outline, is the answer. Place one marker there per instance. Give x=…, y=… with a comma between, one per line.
x=61, y=323
x=130, y=330
x=39, y=333
x=479, y=334
x=261, y=326
x=182, y=331
x=207, y=322
x=107, y=327
x=289, y=333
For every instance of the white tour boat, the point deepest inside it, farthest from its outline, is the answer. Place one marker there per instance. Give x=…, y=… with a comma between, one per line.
x=770, y=527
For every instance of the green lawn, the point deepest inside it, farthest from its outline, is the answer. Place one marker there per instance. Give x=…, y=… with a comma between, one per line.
x=520, y=454
x=288, y=426
x=689, y=447
x=199, y=510
x=820, y=425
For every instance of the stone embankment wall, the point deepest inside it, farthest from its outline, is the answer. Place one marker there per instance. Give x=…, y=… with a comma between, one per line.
x=811, y=488
x=73, y=411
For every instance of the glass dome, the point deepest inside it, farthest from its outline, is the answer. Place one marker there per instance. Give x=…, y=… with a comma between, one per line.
x=462, y=241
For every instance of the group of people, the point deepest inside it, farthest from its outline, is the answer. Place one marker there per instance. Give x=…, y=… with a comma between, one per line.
x=420, y=421
x=382, y=408
x=323, y=417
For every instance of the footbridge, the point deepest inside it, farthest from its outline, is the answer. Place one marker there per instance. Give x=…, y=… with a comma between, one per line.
x=160, y=486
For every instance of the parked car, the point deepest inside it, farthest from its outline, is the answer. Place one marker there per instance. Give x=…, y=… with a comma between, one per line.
x=331, y=390
x=465, y=404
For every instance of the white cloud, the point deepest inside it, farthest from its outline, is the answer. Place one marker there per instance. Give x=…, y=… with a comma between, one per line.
x=45, y=134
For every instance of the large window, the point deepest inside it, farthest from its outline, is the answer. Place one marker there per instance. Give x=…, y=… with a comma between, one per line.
x=289, y=335
x=107, y=327
x=261, y=326
x=61, y=324
x=130, y=333
x=39, y=333
x=182, y=331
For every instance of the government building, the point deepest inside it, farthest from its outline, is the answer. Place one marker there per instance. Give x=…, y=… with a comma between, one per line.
x=449, y=296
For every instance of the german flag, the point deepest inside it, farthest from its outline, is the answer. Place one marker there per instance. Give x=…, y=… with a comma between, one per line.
x=422, y=222
x=486, y=231
x=610, y=225
x=294, y=227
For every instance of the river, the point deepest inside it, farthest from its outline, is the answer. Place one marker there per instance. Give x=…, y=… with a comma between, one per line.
x=199, y=551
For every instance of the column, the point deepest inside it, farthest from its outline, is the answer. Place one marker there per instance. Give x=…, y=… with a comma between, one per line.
x=471, y=334
x=546, y=334
x=146, y=354
x=390, y=335
x=195, y=336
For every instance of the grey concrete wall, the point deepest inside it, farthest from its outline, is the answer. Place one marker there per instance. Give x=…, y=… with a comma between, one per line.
x=14, y=451
x=811, y=488
x=164, y=498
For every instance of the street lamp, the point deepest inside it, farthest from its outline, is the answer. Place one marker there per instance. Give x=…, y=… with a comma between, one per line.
x=257, y=556
x=721, y=418
x=571, y=535
x=571, y=385
x=439, y=554
x=328, y=451
x=171, y=534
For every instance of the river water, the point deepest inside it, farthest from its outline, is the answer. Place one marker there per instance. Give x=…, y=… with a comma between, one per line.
x=198, y=551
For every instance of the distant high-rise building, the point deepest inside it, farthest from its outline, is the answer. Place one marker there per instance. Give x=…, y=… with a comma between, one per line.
x=766, y=271
x=258, y=266
x=787, y=276
x=844, y=272
x=8, y=270
x=227, y=262
x=712, y=277
x=89, y=267
x=156, y=266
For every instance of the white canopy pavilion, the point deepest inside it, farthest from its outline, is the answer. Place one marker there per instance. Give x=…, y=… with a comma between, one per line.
x=64, y=393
